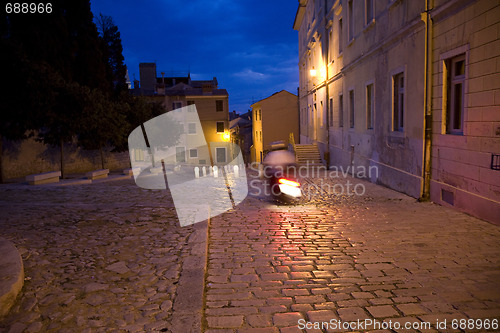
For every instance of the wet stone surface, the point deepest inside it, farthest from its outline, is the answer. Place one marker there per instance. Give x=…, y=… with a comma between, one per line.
x=379, y=256
x=99, y=257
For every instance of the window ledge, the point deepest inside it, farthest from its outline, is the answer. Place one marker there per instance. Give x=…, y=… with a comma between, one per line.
x=369, y=25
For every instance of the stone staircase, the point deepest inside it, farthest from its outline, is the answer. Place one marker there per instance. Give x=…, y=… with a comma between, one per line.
x=308, y=155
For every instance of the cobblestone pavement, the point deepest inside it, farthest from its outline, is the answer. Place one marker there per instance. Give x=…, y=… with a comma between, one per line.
x=99, y=257
x=381, y=256
x=110, y=257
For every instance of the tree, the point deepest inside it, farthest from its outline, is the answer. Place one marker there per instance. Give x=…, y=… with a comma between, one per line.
x=113, y=49
x=104, y=123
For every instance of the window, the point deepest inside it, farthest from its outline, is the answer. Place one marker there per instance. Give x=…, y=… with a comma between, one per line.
x=191, y=128
x=369, y=11
x=176, y=105
x=193, y=153
x=330, y=113
x=351, y=108
x=340, y=36
x=220, y=127
x=369, y=106
x=260, y=114
x=219, y=105
x=180, y=154
x=220, y=153
x=321, y=115
x=350, y=27
x=398, y=89
x=341, y=110
x=455, y=70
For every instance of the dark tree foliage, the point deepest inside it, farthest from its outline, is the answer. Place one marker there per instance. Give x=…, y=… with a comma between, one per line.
x=113, y=49
x=55, y=70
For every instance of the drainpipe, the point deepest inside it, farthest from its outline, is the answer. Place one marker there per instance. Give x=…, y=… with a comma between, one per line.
x=327, y=37
x=426, y=167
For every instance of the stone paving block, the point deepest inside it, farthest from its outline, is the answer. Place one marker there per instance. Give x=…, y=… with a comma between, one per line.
x=352, y=314
x=225, y=321
x=259, y=330
x=279, y=300
x=352, y=303
x=290, y=329
x=321, y=315
x=359, y=294
x=301, y=307
x=300, y=275
x=382, y=311
x=274, y=276
x=287, y=319
x=295, y=292
x=380, y=301
x=309, y=299
x=411, y=309
x=259, y=320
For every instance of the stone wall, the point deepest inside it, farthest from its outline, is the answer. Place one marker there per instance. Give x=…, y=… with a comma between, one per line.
x=461, y=162
x=21, y=158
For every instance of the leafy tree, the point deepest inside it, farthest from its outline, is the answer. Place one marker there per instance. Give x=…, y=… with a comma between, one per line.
x=104, y=123
x=113, y=51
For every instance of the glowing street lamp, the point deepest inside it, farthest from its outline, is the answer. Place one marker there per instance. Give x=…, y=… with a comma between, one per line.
x=312, y=72
x=226, y=136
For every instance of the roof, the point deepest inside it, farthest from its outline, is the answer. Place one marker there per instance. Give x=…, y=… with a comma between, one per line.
x=239, y=122
x=299, y=16
x=276, y=93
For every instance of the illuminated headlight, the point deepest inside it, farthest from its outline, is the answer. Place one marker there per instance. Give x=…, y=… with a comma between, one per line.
x=290, y=190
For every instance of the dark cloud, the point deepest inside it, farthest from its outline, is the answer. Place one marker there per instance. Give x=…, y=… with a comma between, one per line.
x=249, y=45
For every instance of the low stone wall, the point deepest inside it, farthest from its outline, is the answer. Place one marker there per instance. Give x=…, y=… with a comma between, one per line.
x=22, y=158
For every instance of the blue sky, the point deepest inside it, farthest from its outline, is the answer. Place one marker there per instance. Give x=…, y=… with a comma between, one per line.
x=249, y=45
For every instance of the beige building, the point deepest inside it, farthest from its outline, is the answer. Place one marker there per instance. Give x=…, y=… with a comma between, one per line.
x=273, y=119
x=409, y=87
x=213, y=112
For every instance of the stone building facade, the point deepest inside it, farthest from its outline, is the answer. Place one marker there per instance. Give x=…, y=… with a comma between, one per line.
x=409, y=87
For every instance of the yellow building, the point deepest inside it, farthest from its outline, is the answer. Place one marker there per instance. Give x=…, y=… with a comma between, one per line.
x=273, y=119
x=213, y=112
x=410, y=87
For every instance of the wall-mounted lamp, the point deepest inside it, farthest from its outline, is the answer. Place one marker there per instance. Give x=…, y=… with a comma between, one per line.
x=312, y=72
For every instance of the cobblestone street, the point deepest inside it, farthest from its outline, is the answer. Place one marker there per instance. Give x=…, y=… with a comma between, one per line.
x=96, y=257
x=111, y=257
x=380, y=256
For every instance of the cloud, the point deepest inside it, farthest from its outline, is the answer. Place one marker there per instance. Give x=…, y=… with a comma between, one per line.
x=250, y=74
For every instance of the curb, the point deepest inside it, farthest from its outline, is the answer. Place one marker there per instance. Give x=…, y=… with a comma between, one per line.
x=188, y=305
x=11, y=275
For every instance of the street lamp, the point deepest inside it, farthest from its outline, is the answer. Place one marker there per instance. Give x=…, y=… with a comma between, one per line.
x=312, y=72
